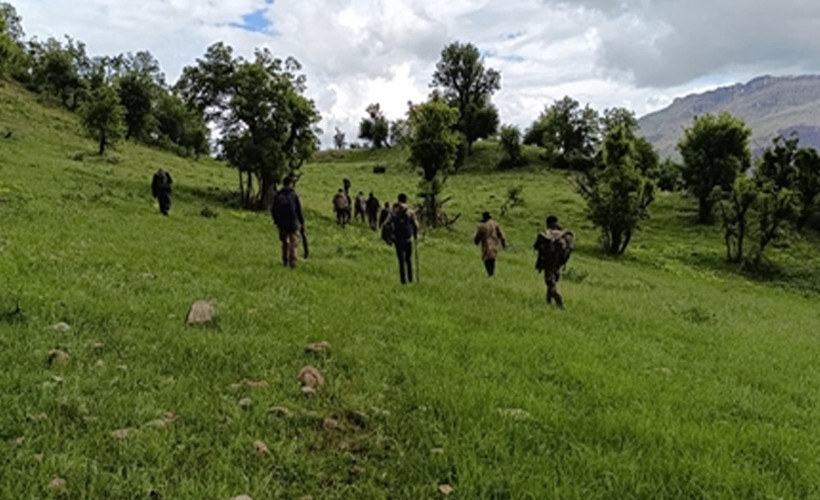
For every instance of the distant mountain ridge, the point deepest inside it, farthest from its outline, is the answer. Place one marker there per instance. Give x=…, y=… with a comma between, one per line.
x=769, y=105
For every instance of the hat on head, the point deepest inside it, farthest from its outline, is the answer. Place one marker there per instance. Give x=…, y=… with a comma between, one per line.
x=485, y=217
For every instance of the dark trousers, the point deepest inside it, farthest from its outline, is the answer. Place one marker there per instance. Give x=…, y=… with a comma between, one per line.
x=404, y=251
x=489, y=265
x=164, y=202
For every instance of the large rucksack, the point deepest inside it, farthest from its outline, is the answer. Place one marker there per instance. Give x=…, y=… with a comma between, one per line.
x=284, y=211
x=399, y=227
x=554, y=249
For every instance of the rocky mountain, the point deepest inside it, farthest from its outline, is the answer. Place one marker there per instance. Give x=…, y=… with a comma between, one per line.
x=769, y=106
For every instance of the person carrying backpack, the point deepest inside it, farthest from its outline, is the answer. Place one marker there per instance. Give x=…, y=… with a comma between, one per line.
x=161, y=190
x=554, y=247
x=400, y=229
x=287, y=215
x=491, y=238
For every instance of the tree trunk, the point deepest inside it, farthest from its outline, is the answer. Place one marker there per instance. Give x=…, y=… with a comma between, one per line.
x=705, y=211
x=241, y=186
x=267, y=184
x=102, y=143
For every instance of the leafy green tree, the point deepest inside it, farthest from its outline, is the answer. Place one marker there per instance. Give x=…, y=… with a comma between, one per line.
x=374, y=128
x=777, y=164
x=807, y=161
x=509, y=140
x=618, y=117
x=61, y=71
x=777, y=210
x=267, y=125
x=568, y=133
x=735, y=210
x=339, y=139
x=12, y=54
x=468, y=86
x=433, y=144
x=618, y=195
x=715, y=150
x=137, y=97
x=102, y=116
x=179, y=127
x=399, y=130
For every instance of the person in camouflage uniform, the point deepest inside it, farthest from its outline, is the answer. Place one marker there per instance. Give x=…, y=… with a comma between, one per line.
x=554, y=247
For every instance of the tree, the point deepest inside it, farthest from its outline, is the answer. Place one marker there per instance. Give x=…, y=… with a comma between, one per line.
x=468, y=86
x=715, y=150
x=62, y=71
x=567, y=132
x=11, y=37
x=433, y=144
x=137, y=97
x=807, y=161
x=777, y=209
x=374, y=128
x=179, y=127
x=339, y=139
x=618, y=195
x=618, y=117
x=399, y=130
x=102, y=116
x=267, y=125
x=509, y=141
x=735, y=209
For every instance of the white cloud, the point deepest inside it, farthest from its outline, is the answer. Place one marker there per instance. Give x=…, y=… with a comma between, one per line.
x=633, y=53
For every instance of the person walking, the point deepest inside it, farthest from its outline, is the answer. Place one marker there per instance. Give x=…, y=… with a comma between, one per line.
x=402, y=227
x=491, y=238
x=287, y=215
x=161, y=190
x=554, y=247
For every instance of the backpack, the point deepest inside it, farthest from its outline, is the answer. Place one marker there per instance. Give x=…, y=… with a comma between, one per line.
x=554, y=249
x=402, y=226
x=284, y=211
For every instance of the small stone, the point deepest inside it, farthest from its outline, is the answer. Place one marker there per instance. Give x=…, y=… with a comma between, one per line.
x=356, y=470
x=514, y=413
x=38, y=457
x=58, y=357
x=245, y=403
x=200, y=313
x=261, y=447
x=149, y=276
x=57, y=380
x=308, y=390
x=99, y=363
x=309, y=376
x=97, y=345
x=256, y=384
x=242, y=497
x=57, y=483
x=40, y=417
x=318, y=347
x=121, y=434
x=62, y=327
x=19, y=441
x=161, y=423
x=280, y=411
x=330, y=424
x=123, y=368
x=445, y=489
x=437, y=451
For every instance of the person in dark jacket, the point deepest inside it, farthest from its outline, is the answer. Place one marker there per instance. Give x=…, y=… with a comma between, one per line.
x=404, y=228
x=287, y=215
x=161, y=190
x=372, y=211
x=384, y=214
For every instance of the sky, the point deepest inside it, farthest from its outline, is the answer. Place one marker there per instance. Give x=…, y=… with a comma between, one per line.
x=638, y=54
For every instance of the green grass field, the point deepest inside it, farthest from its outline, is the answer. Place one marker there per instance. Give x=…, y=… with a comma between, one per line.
x=669, y=375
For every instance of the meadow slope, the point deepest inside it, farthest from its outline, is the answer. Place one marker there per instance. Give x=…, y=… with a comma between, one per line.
x=669, y=375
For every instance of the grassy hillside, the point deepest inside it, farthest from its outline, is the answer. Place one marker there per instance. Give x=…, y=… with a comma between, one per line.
x=669, y=375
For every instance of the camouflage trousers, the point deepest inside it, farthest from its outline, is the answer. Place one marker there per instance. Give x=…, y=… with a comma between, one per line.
x=290, y=244
x=551, y=278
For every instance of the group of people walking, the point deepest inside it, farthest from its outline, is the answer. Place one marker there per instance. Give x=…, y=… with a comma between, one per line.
x=399, y=228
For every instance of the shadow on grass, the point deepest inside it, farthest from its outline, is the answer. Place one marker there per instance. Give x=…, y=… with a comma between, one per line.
x=805, y=279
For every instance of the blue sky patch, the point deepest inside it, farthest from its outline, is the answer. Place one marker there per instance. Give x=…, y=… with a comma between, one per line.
x=255, y=21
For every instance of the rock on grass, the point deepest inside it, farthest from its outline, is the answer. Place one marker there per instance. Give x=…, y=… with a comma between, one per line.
x=201, y=313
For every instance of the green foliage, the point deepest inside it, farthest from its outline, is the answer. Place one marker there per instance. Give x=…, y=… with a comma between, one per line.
x=375, y=128
x=399, y=132
x=655, y=383
x=62, y=71
x=568, y=134
x=137, y=97
x=179, y=127
x=669, y=176
x=339, y=139
x=514, y=199
x=807, y=161
x=103, y=116
x=618, y=194
x=618, y=117
x=715, y=150
x=777, y=210
x=12, y=54
x=433, y=146
x=734, y=209
x=267, y=124
x=509, y=141
x=468, y=86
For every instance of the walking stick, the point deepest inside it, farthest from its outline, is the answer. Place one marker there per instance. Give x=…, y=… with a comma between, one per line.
x=418, y=269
